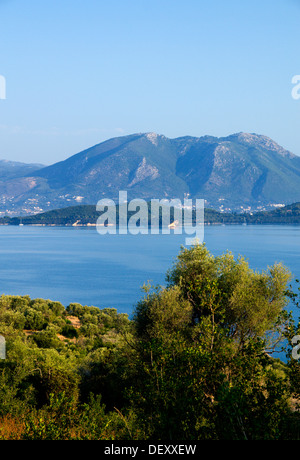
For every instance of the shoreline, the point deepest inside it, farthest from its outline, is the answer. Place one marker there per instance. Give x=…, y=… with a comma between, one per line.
x=221, y=224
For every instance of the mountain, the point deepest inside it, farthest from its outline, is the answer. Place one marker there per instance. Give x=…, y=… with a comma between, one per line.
x=14, y=181
x=14, y=169
x=239, y=172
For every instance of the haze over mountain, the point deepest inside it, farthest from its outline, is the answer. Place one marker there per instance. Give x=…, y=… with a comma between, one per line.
x=238, y=172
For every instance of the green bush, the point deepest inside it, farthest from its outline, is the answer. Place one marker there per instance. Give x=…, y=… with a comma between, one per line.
x=69, y=331
x=34, y=320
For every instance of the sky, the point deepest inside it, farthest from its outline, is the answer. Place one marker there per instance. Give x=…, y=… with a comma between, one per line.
x=80, y=72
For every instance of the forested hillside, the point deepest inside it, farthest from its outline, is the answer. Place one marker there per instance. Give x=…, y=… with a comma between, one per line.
x=88, y=215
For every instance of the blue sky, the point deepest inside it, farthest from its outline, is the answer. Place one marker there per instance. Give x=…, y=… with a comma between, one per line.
x=80, y=72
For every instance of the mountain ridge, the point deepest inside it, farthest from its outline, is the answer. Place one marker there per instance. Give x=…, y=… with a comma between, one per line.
x=243, y=171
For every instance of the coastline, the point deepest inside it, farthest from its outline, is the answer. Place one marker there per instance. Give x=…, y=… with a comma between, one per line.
x=220, y=224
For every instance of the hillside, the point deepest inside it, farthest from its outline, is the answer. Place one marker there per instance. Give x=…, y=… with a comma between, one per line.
x=235, y=173
x=13, y=169
x=87, y=215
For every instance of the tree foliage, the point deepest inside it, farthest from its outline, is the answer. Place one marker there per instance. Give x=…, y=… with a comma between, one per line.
x=194, y=362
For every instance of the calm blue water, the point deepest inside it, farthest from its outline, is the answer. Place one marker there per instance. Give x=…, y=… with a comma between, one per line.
x=79, y=265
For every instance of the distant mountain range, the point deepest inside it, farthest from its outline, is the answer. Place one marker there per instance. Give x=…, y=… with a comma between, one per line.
x=235, y=173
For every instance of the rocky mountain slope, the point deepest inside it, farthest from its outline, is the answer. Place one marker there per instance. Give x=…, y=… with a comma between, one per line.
x=238, y=172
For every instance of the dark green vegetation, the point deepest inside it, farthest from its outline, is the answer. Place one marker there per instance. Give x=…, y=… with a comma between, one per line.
x=234, y=171
x=87, y=214
x=289, y=214
x=194, y=362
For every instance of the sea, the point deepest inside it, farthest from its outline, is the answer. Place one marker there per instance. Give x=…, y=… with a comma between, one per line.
x=77, y=264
